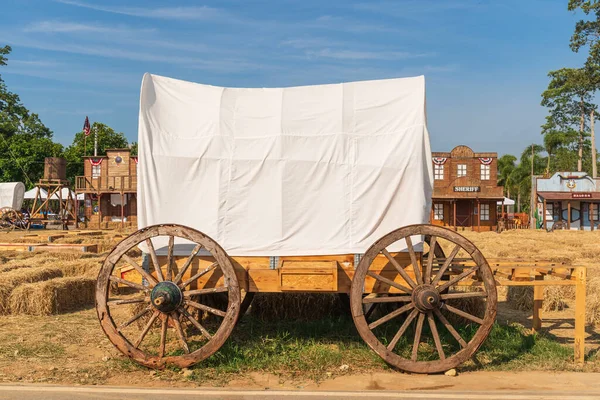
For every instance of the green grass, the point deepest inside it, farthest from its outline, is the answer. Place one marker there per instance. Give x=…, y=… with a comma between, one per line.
x=317, y=349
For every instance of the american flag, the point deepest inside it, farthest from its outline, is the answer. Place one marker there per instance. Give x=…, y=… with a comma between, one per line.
x=86, y=126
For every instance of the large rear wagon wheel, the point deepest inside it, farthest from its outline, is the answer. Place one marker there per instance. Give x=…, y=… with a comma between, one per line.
x=153, y=314
x=432, y=326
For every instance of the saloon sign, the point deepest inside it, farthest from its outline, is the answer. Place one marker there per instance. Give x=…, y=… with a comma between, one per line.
x=467, y=189
x=581, y=195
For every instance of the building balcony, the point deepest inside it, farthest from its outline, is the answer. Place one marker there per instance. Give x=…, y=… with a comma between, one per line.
x=108, y=184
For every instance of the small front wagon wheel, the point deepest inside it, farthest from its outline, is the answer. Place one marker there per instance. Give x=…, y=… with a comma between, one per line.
x=175, y=306
x=436, y=307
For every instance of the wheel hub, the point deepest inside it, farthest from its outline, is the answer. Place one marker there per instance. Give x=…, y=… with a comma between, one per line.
x=166, y=297
x=426, y=298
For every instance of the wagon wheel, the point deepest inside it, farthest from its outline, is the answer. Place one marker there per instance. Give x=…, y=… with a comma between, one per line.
x=10, y=218
x=429, y=330
x=165, y=332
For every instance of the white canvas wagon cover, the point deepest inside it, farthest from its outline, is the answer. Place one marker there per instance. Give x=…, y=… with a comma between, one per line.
x=311, y=170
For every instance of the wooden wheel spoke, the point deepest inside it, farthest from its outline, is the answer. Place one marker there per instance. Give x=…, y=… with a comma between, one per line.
x=399, y=268
x=155, y=262
x=128, y=283
x=413, y=260
x=199, y=275
x=436, y=336
x=205, y=291
x=391, y=299
x=457, y=278
x=450, y=328
x=163, y=336
x=447, y=263
x=463, y=295
x=170, y=258
x=206, y=308
x=389, y=282
x=402, y=329
x=391, y=315
x=128, y=301
x=417, y=339
x=188, y=262
x=428, y=269
x=133, y=319
x=151, y=280
x=179, y=331
x=146, y=329
x=197, y=324
x=463, y=314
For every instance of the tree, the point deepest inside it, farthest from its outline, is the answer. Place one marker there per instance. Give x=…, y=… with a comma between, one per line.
x=506, y=166
x=107, y=139
x=24, y=140
x=568, y=96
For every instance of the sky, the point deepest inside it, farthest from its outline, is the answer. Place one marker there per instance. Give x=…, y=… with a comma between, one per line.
x=485, y=61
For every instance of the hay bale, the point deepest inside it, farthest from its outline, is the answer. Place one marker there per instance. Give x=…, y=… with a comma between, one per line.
x=555, y=297
x=10, y=280
x=54, y=296
x=297, y=306
x=592, y=305
x=520, y=298
x=87, y=267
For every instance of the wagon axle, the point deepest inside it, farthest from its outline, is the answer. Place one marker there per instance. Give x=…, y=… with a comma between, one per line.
x=166, y=297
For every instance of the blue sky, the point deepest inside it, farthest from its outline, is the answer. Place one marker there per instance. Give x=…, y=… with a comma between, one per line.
x=485, y=61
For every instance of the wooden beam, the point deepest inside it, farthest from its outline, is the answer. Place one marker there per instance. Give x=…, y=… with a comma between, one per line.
x=478, y=215
x=538, y=302
x=568, y=215
x=544, y=215
x=99, y=210
x=454, y=214
x=580, y=315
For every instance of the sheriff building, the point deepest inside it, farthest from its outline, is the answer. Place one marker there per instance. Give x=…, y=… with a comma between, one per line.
x=465, y=189
x=109, y=186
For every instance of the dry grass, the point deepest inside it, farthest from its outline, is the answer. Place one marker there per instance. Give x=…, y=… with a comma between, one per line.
x=520, y=298
x=12, y=279
x=53, y=296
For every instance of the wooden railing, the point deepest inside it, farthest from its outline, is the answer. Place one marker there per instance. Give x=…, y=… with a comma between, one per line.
x=105, y=183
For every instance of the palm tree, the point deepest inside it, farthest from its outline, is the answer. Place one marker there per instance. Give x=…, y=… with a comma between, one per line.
x=506, y=166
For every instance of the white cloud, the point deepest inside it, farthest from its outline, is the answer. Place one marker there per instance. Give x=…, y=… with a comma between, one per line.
x=365, y=55
x=71, y=27
x=182, y=13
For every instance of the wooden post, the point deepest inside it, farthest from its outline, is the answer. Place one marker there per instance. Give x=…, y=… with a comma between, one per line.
x=99, y=210
x=544, y=215
x=580, y=314
x=591, y=218
x=538, y=302
x=478, y=215
x=454, y=215
x=122, y=224
x=568, y=215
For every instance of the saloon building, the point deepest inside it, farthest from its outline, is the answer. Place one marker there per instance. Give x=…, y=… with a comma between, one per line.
x=109, y=186
x=570, y=200
x=465, y=189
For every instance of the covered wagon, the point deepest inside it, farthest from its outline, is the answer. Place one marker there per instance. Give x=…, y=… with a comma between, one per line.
x=303, y=189
x=12, y=195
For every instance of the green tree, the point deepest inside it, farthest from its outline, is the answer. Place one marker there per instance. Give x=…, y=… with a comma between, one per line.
x=24, y=140
x=568, y=96
x=107, y=139
x=506, y=166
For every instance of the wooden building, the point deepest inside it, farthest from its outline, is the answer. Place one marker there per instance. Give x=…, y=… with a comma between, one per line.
x=569, y=198
x=465, y=189
x=109, y=184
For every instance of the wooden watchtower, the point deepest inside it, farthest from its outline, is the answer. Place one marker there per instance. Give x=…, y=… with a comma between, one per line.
x=52, y=188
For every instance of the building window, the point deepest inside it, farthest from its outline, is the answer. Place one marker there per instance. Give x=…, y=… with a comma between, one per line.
x=438, y=172
x=595, y=214
x=95, y=171
x=438, y=211
x=462, y=170
x=485, y=172
x=485, y=212
x=549, y=212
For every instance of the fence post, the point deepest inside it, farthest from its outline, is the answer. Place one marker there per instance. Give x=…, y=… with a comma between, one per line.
x=580, y=314
x=538, y=303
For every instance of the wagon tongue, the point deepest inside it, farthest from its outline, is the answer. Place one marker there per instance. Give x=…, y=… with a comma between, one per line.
x=166, y=297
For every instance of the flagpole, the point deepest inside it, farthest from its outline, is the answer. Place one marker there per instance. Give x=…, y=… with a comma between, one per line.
x=84, y=144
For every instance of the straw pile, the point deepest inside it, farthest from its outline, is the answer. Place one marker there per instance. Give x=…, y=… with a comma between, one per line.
x=10, y=280
x=53, y=296
x=86, y=267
